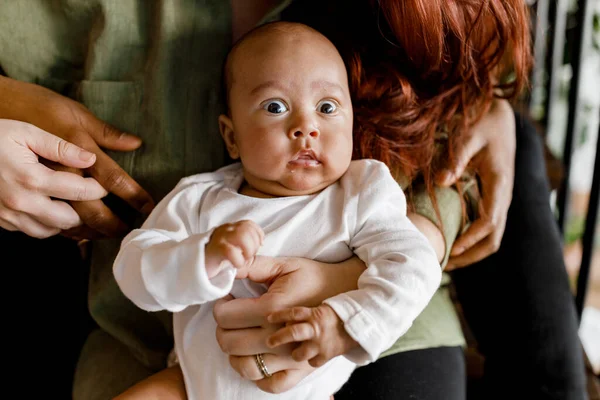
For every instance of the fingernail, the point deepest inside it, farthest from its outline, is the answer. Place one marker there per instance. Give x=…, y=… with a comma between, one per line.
x=129, y=136
x=85, y=155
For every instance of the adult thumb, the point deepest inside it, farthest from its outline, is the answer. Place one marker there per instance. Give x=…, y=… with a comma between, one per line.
x=264, y=269
x=55, y=149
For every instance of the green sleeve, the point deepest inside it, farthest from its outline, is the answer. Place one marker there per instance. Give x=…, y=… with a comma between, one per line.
x=450, y=207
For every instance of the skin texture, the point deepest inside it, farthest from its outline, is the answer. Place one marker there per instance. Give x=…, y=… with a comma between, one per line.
x=73, y=123
x=290, y=101
x=489, y=149
x=28, y=188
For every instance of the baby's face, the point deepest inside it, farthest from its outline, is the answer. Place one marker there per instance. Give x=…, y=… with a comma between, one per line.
x=291, y=113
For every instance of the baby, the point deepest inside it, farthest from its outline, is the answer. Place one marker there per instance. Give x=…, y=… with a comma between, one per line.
x=295, y=192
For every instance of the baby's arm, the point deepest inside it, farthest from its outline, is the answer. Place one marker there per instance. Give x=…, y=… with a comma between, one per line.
x=402, y=274
x=168, y=265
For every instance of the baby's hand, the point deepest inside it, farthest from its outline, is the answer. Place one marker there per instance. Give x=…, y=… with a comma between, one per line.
x=319, y=329
x=238, y=243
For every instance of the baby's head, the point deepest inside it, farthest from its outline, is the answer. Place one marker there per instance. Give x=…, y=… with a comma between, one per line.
x=290, y=113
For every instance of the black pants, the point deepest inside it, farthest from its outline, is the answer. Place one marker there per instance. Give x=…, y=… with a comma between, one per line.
x=517, y=303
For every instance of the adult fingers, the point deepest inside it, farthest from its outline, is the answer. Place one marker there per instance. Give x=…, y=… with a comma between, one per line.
x=243, y=342
x=96, y=215
x=109, y=137
x=478, y=231
x=29, y=225
x=306, y=351
x=449, y=175
x=247, y=368
x=64, y=185
x=294, y=314
x=243, y=313
x=292, y=333
x=476, y=253
x=284, y=380
x=83, y=232
x=55, y=214
x=8, y=226
x=114, y=179
x=496, y=198
x=56, y=149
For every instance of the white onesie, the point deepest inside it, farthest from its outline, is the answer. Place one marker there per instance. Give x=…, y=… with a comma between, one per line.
x=160, y=267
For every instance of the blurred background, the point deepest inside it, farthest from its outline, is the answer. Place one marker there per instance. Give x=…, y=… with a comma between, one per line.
x=565, y=101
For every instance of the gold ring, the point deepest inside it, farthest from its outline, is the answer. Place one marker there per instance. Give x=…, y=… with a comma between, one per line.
x=260, y=363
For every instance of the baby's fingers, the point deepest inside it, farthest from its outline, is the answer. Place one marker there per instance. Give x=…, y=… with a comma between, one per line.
x=291, y=333
x=294, y=314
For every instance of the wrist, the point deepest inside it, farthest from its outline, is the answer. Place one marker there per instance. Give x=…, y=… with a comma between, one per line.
x=213, y=262
x=345, y=341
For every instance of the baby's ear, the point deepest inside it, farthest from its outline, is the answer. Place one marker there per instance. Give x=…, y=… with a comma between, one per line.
x=226, y=128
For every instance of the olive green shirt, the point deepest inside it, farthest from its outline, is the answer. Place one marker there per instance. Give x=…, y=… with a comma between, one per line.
x=153, y=68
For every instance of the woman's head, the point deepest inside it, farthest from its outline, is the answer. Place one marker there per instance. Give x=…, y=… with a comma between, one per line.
x=427, y=66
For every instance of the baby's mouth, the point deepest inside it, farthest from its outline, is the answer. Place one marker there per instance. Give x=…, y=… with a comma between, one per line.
x=305, y=158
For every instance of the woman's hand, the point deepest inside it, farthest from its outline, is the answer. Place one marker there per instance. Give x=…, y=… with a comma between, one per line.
x=243, y=328
x=28, y=188
x=489, y=149
x=74, y=123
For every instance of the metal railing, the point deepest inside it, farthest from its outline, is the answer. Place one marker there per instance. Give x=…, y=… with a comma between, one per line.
x=549, y=50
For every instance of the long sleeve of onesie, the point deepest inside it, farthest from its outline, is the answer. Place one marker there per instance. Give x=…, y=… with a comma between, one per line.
x=161, y=265
x=402, y=268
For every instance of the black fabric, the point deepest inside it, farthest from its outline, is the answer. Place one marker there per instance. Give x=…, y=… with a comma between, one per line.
x=45, y=313
x=518, y=302
x=430, y=374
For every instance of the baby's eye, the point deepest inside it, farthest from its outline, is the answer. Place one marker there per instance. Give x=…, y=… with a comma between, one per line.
x=327, y=107
x=275, y=107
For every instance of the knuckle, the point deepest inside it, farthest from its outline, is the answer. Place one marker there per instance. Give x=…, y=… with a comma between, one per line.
x=80, y=193
x=95, y=218
x=63, y=148
x=14, y=202
x=273, y=304
x=109, y=132
x=31, y=181
x=115, y=179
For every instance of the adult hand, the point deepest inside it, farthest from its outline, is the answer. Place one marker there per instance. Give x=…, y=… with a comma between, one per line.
x=74, y=123
x=243, y=328
x=27, y=187
x=489, y=149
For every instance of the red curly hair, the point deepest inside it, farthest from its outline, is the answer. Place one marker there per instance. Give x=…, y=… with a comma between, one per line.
x=432, y=66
